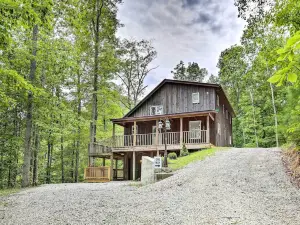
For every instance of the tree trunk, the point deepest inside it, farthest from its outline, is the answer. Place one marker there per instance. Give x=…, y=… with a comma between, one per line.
x=254, y=121
x=96, y=27
x=78, y=129
x=62, y=158
x=48, y=169
x=35, y=159
x=27, y=150
x=275, y=115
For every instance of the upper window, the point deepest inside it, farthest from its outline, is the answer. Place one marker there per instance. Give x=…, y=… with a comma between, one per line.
x=218, y=100
x=195, y=97
x=156, y=110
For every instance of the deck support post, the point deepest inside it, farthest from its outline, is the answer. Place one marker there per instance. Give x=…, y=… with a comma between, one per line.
x=133, y=165
x=112, y=166
x=156, y=137
x=207, y=130
x=116, y=168
x=181, y=132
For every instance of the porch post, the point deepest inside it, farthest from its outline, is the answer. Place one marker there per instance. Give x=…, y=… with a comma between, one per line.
x=133, y=165
x=134, y=133
x=114, y=134
x=207, y=130
x=181, y=132
x=103, y=161
x=112, y=166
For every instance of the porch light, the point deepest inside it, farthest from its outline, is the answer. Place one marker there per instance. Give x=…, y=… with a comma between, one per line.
x=168, y=124
x=160, y=124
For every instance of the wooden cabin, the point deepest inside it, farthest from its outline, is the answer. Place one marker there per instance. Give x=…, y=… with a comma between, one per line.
x=197, y=115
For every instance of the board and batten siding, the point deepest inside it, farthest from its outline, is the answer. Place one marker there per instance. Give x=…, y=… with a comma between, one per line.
x=222, y=138
x=177, y=98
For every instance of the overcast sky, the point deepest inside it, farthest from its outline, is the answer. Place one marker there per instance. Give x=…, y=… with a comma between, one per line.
x=188, y=30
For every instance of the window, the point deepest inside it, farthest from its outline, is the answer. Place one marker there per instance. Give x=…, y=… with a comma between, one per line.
x=195, y=97
x=132, y=129
x=156, y=110
x=229, y=119
x=219, y=128
x=229, y=139
x=218, y=100
x=223, y=109
x=226, y=114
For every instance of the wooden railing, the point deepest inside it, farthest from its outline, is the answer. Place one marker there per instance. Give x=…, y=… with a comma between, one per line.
x=173, y=138
x=99, y=148
x=195, y=137
x=97, y=173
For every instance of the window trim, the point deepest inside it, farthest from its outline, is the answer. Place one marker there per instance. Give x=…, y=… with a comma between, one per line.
x=198, y=98
x=156, y=110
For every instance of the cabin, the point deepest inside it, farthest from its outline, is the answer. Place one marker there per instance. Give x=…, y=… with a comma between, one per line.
x=173, y=114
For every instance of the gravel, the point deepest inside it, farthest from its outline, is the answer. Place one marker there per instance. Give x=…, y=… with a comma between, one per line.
x=238, y=186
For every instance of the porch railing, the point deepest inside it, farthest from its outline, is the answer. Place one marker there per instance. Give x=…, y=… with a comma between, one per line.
x=150, y=139
x=97, y=173
x=195, y=137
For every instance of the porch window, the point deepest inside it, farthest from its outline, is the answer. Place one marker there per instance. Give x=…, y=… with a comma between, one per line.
x=195, y=97
x=218, y=100
x=156, y=110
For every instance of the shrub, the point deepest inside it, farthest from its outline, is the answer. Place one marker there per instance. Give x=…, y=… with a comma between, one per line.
x=172, y=155
x=184, y=151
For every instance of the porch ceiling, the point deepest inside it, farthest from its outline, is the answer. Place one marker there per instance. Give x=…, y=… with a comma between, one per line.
x=122, y=121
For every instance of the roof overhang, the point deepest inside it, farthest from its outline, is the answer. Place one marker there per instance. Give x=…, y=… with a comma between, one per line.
x=124, y=120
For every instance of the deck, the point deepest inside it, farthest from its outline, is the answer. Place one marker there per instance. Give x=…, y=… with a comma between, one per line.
x=195, y=139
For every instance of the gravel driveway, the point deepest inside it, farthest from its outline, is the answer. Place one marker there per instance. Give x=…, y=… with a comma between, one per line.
x=238, y=186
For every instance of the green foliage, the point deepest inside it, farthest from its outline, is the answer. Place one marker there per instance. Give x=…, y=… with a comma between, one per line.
x=172, y=155
x=195, y=156
x=190, y=73
x=184, y=151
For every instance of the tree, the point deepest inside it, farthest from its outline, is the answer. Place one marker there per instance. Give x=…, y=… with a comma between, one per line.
x=190, y=73
x=135, y=60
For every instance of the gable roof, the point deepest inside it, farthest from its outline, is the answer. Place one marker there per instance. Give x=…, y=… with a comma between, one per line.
x=217, y=86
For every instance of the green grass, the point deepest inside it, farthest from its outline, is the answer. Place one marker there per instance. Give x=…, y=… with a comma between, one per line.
x=181, y=162
x=5, y=192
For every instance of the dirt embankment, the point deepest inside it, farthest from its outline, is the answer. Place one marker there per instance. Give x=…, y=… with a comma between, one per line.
x=291, y=160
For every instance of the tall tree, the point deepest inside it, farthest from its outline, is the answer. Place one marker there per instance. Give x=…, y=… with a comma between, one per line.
x=190, y=73
x=135, y=65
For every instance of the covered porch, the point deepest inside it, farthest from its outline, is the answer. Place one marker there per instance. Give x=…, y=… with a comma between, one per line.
x=194, y=130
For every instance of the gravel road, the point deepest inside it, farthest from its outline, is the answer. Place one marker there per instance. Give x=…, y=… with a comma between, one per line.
x=238, y=186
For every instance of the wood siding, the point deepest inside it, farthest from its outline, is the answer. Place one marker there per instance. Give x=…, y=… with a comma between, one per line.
x=222, y=139
x=177, y=98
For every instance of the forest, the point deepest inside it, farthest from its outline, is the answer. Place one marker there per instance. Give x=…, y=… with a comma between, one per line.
x=64, y=74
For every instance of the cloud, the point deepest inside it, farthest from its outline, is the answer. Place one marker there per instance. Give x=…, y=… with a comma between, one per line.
x=188, y=30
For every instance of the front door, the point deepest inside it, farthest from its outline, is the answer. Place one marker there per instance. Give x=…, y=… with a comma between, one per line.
x=154, y=136
x=195, y=129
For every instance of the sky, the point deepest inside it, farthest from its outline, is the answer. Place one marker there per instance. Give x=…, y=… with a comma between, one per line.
x=187, y=30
